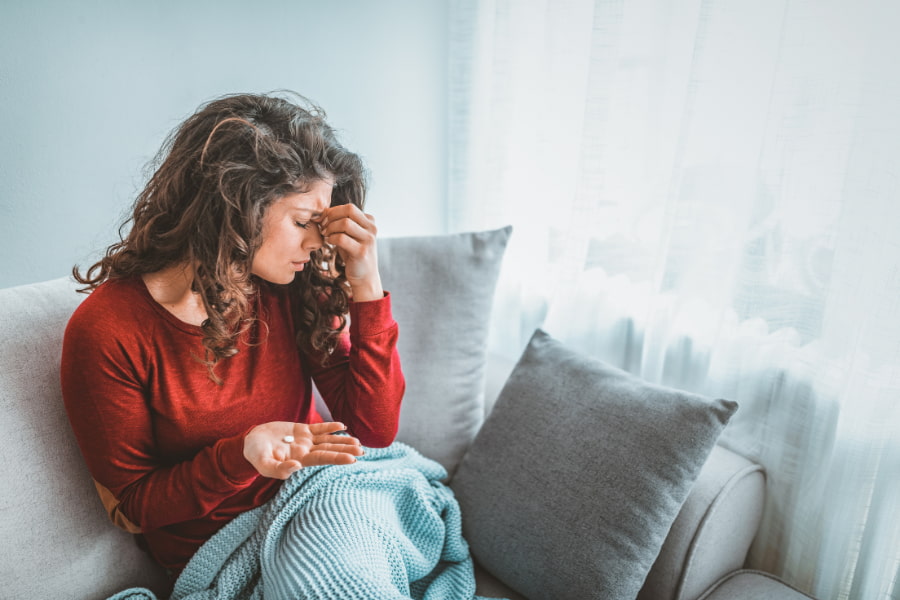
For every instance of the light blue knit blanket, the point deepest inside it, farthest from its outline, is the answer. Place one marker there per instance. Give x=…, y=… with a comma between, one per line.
x=384, y=528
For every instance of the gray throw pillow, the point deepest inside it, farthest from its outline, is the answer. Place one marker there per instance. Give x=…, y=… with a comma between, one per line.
x=574, y=480
x=442, y=289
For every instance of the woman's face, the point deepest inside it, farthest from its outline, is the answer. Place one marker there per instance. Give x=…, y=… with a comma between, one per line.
x=290, y=232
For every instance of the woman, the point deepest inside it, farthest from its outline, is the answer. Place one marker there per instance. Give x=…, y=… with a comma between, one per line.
x=187, y=373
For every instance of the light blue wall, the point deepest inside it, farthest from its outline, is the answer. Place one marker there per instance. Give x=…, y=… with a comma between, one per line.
x=89, y=89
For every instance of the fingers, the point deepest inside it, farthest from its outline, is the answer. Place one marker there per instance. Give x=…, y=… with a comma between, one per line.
x=326, y=444
x=349, y=237
x=336, y=439
x=348, y=228
x=320, y=455
x=321, y=433
x=318, y=429
x=356, y=230
x=318, y=458
x=351, y=213
x=355, y=222
x=349, y=245
x=339, y=448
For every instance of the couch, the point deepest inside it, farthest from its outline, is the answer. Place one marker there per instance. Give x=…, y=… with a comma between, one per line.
x=545, y=541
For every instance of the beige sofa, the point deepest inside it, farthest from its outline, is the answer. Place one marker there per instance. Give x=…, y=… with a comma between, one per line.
x=56, y=540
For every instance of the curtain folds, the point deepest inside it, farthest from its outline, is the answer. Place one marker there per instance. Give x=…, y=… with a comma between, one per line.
x=707, y=194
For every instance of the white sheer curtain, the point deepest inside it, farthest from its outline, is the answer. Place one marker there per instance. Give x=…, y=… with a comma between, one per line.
x=707, y=193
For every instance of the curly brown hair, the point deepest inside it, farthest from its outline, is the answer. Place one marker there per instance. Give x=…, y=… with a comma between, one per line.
x=213, y=179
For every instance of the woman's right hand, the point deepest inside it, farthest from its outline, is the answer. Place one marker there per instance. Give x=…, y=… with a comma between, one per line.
x=312, y=445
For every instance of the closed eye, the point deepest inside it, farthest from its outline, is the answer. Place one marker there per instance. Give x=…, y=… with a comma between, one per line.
x=301, y=225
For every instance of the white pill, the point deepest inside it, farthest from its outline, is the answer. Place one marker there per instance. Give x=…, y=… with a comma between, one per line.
x=288, y=439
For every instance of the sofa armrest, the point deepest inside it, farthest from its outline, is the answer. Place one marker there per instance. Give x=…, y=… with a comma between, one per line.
x=714, y=530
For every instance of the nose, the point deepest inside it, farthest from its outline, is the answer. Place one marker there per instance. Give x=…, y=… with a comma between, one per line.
x=312, y=238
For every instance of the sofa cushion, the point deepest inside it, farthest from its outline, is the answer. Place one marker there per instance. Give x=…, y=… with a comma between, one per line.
x=57, y=540
x=570, y=487
x=442, y=289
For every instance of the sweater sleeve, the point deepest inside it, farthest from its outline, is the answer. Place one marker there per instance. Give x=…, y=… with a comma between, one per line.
x=111, y=417
x=362, y=382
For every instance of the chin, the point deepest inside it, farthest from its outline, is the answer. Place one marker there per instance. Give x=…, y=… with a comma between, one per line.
x=277, y=279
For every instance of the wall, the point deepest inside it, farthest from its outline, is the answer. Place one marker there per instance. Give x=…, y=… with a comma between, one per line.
x=89, y=90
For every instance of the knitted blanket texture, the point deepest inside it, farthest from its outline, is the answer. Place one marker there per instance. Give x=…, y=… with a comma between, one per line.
x=384, y=528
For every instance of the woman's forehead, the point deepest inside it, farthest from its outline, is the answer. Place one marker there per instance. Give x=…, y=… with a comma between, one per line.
x=314, y=199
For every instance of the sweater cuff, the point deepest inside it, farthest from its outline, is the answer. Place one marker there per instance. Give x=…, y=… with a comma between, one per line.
x=230, y=456
x=371, y=317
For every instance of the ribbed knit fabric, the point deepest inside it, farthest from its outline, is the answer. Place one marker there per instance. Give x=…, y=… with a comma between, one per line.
x=384, y=528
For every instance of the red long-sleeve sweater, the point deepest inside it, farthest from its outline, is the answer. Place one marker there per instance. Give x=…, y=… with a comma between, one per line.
x=167, y=442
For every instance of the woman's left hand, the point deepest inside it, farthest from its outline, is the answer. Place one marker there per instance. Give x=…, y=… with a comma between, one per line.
x=279, y=448
x=352, y=233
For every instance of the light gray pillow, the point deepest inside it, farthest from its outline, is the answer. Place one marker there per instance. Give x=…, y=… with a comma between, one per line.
x=442, y=289
x=55, y=538
x=574, y=480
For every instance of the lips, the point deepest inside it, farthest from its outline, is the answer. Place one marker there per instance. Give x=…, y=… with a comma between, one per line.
x=299, y=264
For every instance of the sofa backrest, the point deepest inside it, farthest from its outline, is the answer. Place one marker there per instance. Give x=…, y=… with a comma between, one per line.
x=55, y=538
